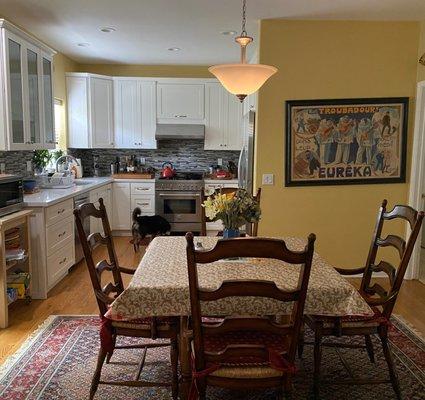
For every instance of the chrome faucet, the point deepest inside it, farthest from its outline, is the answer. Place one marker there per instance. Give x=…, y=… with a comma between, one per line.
x=67, y=159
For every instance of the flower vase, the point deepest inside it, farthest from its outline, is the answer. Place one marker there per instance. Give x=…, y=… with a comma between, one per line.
x=230, y=233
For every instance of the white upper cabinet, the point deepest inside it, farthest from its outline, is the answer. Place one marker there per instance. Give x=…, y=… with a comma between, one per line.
x=180, y=102
x=134, y=113
x=90, y=111
x=26, y=98
x=223, y=119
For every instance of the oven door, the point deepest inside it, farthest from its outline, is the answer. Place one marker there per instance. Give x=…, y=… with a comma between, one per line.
x=179, y=207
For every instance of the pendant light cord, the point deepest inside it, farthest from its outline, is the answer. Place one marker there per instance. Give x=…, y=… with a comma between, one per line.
x=243, y=33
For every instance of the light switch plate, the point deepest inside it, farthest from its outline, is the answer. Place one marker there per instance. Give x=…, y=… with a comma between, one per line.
x=220, y=162
x=29, y=166
x=2, y=168
x=268, y=179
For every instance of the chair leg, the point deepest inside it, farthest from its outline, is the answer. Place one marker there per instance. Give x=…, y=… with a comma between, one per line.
x=383, y=334
x=369, y=348
x=317, y=360
x=174, y=355
x=109, y=355
x=96, y=377
x=301, y=343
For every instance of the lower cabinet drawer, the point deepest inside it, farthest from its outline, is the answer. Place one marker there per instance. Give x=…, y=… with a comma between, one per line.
x=59, y=234
x=145, y=203
x=59, y=263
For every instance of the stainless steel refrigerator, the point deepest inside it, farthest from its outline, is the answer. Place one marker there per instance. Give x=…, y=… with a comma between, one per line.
x=246, y=157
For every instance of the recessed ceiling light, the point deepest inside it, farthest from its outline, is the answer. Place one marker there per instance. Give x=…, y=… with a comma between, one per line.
x=174, y=49
x=107, y=29
x=229, y=33
x=83, y=44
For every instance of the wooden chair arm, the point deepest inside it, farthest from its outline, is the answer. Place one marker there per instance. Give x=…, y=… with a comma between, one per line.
x=350, y=271
x=128, y=271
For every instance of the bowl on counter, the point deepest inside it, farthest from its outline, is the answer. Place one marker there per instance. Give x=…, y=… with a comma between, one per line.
x=29, y=185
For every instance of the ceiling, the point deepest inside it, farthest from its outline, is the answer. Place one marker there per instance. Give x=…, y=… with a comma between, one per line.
x=145, y=29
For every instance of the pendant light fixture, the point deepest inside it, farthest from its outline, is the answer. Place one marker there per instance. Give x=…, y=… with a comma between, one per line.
x=242, y=79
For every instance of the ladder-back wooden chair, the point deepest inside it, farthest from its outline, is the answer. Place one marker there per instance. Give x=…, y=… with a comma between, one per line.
x=149, y=328
x=246, y=352
x=382, y=300
x=254, y=225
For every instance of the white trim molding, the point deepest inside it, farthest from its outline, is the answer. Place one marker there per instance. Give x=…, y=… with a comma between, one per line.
x=417, y=174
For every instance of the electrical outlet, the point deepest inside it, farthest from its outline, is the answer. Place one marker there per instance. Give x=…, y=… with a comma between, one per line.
x=142, y=160
x=268, y=179
x=2, y=168
x=220, y=162
x=29, y=166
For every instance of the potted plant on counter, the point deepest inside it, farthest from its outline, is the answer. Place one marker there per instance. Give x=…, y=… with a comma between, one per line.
x=41, y=159
x=233, y=209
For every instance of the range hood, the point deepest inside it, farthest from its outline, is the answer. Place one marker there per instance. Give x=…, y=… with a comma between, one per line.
x=180, y=131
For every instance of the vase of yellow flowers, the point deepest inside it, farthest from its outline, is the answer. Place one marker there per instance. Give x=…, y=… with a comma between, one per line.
x=233, y=209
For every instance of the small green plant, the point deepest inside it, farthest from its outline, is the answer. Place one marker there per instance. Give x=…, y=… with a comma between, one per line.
x=56, y=154
x=41, y=158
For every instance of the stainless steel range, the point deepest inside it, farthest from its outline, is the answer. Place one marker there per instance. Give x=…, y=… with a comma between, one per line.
x=178, y=200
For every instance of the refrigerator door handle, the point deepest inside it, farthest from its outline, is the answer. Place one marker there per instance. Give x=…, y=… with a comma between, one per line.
x=240, y=168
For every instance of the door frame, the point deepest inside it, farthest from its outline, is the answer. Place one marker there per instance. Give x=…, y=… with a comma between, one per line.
x=417, y=174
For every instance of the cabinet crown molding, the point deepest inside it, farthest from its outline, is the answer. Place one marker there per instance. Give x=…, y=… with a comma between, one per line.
x=5, y=24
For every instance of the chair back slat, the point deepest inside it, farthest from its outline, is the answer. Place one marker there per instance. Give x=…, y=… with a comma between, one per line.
x=104, y=295
x=254, y=248
x=395, y=241
x=250, y=288
x=374, y=292
x=231, y=324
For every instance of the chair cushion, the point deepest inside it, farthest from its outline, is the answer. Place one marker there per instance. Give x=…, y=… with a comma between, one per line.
x=247, y=367
x=350, y=321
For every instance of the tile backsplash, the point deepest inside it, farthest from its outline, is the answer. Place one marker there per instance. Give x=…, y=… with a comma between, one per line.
x=186, y=155
x=16, y=161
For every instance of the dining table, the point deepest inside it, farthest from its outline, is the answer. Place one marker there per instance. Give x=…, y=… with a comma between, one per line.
x=160, y=287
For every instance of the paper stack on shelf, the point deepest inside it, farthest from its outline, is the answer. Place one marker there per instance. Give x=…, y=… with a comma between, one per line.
x=15, y=255
x=20, y=282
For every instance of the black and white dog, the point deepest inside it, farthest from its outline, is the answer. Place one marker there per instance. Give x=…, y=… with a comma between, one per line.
x=144, y=225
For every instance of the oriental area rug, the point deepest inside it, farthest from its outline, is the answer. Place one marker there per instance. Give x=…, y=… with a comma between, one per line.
x=58, y=360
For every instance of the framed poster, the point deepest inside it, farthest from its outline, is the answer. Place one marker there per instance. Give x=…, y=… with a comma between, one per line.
x=348, y=141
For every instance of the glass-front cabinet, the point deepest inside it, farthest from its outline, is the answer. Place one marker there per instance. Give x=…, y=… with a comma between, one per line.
x=27, y=98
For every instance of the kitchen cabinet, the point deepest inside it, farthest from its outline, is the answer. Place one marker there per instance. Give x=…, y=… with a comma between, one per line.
x=223, y=119
x=90, y=111
x=121, y=218
x=180, y=102
x=104, y=192
x=52, y=244
x=129, y=195
x=134, y=113
x=26, y=99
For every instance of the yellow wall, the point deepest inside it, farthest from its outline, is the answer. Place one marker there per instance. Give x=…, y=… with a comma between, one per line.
x=172, y=71
x=319, y=60
x=62, y=64
x=421, y=51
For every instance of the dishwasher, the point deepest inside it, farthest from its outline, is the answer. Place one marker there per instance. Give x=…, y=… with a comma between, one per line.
x=78, y=200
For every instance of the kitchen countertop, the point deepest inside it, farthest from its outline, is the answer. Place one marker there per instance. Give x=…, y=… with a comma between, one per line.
x=48, y=197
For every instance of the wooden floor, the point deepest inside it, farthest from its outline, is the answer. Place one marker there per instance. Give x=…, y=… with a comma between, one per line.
x=73, y=295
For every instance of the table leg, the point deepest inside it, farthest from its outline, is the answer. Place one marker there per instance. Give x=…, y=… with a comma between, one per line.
x=184, y=354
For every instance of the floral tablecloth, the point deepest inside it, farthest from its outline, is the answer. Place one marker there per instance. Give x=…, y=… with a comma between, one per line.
x=160, y=285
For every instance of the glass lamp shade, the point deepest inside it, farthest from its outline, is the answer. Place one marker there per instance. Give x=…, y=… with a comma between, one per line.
x=242, y=79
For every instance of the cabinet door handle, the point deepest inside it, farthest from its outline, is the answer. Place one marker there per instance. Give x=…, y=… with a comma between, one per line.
x=142, y=188
x=61, y=211
x=62, y=234
x=180, y=116
x=142, y=204
x=62, y=261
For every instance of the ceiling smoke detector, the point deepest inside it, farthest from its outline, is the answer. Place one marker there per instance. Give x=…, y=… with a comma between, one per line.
x=83, y=44
x=174, y=49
